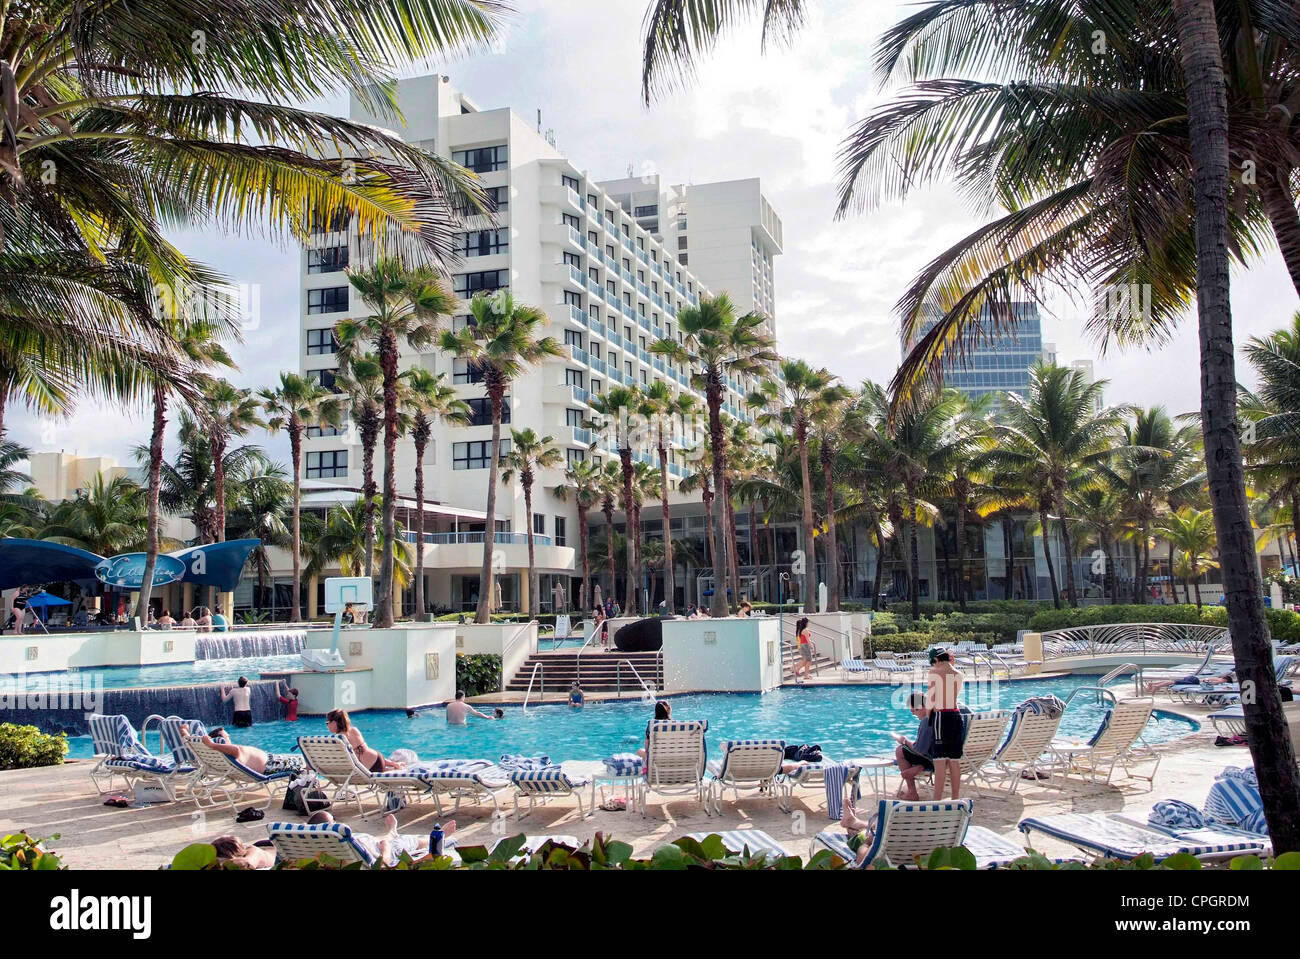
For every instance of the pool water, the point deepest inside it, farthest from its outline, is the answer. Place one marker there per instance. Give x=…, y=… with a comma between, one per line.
x=199, y=672
x=847, y=721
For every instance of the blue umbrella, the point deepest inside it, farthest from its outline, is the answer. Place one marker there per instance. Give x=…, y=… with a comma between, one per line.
x=43, y=600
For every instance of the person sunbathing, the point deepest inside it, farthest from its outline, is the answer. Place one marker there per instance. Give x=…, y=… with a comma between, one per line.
x=338, y=722
x=1193, y=680
x=249, y=756
x=232, y=849
x=858, y=831
x=388, y=847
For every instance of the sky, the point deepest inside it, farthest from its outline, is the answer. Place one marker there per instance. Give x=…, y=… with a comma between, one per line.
x=779, y=115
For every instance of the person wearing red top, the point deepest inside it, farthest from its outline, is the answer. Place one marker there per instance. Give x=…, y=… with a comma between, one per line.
x=290, y=702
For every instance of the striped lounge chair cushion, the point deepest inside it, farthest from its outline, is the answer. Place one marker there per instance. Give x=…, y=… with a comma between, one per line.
x=719, y=767
x=737, y=840
x=175, y=742
x=546, y=781
x=327, y=834
x=147, y=764
x=1121, y=840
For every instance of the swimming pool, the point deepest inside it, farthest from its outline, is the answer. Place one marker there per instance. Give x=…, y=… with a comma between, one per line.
x=846, y=721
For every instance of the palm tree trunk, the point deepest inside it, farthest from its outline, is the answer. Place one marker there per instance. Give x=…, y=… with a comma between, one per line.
x=388, y=595
x=1266, y=726
x=532, y=564
x=1008, y=546
x=1112, y=575
x=810, y=550
x=832, y=543
x=942, y=542
x=670, y=578
x=1071, y=593
x=914, y=556
x=609, y=551
x=484, y=612
x=586, y=563
x=734, y=568
x=625, y=459
x=419, y=531
x=880, y=563
x=1173, y=592
x=1047, y=555
x=1144, y=565
x=151, y=515
x=639, y=578
x=1295, y=528
x=721, y=605
x=961, y=547
x=707, y=497
x=295, y=455
x=368, y=492
x=1279, y=205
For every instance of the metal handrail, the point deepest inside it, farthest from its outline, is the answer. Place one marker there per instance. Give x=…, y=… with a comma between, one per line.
x=618, y=678
x=1099, y=690
x=536, y=667
x=835, y=636
x=1110, y=638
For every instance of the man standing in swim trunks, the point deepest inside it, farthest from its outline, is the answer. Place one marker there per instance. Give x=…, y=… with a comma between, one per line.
x=942, y=692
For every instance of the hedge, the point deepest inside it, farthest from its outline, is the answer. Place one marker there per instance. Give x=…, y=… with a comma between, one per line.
x=23, y=747
x=478, y=673
x=1284, y=625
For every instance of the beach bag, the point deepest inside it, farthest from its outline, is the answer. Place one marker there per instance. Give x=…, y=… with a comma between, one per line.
x=150, y=793
x=305, y=800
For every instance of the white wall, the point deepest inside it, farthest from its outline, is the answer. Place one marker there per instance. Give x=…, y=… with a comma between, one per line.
x=58, y=651
x=721, y=655
x=399, y=663
x=513, y=642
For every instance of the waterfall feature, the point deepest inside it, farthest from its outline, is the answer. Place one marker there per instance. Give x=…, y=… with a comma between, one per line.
x=266, y=642
x=191, y=702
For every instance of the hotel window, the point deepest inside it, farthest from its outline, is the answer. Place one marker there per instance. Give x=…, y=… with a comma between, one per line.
x=572, y=259
x=591, y=200
x=683, y=259
x=574, y=378
x=459, y=323
x=575, y=456
x=560, y=532
x=627, y=264
x=570, y=220
x=640, y=243
x=480, y=411
x=627, y=230
x=484, y=242
x=681, y=245
x=539, y=524
x=571, y=183
x=573, y=299
x=329, y=222
x=627, y=368
x=594, y=274
x=331, y=299
x=330, y=259
x=467, y=284
x=611, y=289
x=316, y=432
x=327, y=464
x=475, y=455
x=573, y=418
x=573, y=338
x=592, y=237
x=462, y=372
x=651, y=210
x=645, y=378
x=500, y=196
x=326, y=378
x=321, y=342
x=482, y=159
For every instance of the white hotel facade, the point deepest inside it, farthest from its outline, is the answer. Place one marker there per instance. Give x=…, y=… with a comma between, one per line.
x=612, y=264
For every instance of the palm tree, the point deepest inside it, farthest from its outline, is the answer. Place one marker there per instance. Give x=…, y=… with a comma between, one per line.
x=197, y=346
x=188, y=483
x=616, y=409
x=700, y=478
x=343, y=541
x=718, y=346
x=582, y=481
x=108, y=517
x=429, y=399
x=1058, y=434
x=296, y=403
x=408, y=305
x=1191, y=531
x=664, y=410
x=499, y=345
x=611, y=486
x=1273, y=430
x=361, y=377
x=1097, y=512
x=227, y=411
x=529, y=454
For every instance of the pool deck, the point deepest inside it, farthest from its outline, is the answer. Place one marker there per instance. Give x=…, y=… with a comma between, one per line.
x=62, y=800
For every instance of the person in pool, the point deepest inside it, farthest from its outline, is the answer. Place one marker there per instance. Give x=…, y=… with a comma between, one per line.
x=338, y=722
x=913, y=756
x=242, y=700
x=575, y=695
x=288, y=696
x=459, y=711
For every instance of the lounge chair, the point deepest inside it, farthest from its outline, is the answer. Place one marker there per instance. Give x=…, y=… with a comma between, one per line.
x=543, y=784
x=1029, y=739
x=904, y=831
x=814, y=775
x=892, y=667
x=984, y=734
x=1101, y=835
x=855, y=667
x=675, y=760
x=737, y=841
x=745, y=764
x=1118, y=741
x=1226, y=693
x=224, y=776
x=476, y=781
x=1203, y=668
x=121, y=754
x=294, y=841
x=332, y=758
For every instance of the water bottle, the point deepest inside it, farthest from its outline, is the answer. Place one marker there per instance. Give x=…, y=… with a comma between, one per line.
x=435, y=840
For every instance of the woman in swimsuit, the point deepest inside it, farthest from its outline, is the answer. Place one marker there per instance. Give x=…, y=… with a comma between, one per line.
x=338, y=723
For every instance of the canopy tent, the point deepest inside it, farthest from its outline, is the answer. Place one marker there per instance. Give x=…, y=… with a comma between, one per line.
x=43, y=600
x=27, y=562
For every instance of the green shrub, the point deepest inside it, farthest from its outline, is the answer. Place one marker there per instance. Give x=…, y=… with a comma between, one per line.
x=21, y=851
x=478, y=673
x=22, y=747
x=883, y=624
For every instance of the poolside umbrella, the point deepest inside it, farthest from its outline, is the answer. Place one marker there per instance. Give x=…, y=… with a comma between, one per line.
x=44, y=600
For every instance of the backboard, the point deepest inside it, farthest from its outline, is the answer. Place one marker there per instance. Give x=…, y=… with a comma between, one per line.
x=342, y=590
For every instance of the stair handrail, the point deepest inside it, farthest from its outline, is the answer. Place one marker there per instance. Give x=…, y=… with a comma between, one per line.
x=618, y=676
x=536, y=666
x=834, y=635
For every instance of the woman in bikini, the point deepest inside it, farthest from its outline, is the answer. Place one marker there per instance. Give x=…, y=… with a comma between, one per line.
x=337, y=721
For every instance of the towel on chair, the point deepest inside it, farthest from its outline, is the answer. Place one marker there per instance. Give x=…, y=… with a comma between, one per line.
x=1042, y=705
x=625, y=764
x=835, y=776
x=1176, y=814
x=525, y=764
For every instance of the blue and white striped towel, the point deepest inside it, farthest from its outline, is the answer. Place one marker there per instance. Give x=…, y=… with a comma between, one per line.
x=835, y=776
x=625, y=764
x=1176, y=814
x=524, y=764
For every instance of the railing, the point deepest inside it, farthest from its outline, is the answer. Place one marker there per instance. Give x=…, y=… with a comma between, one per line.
x=1101, y=693
x=536, y=668
x=1184, y=638
x=648, y=693
x=504, y=538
